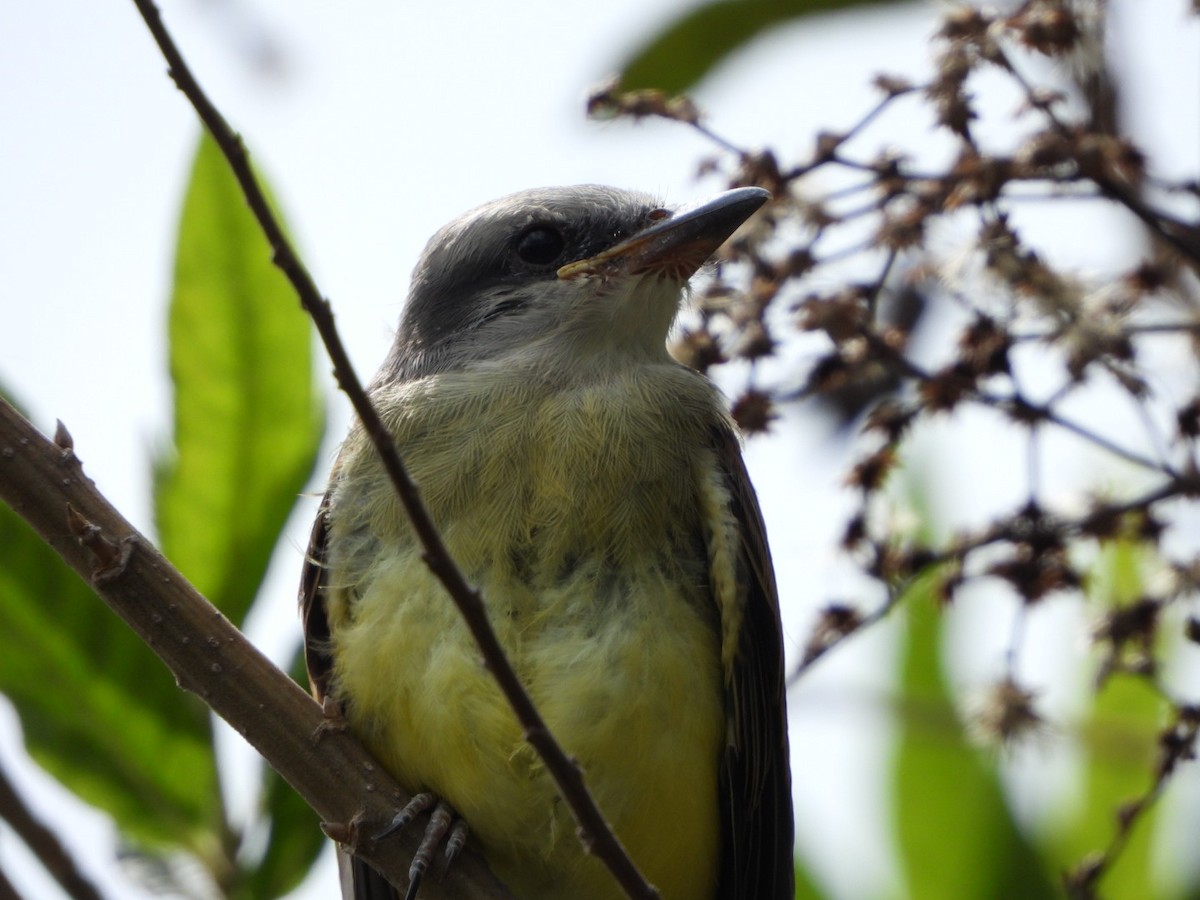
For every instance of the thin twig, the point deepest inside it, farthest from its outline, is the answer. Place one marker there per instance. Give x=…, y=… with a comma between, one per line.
x=596, y=834
x=44, y=844
x=1104, y=443
x=816, y=650
x=1183, y=236
x=1177, y=743
x=1073, y=164
x=8, y=890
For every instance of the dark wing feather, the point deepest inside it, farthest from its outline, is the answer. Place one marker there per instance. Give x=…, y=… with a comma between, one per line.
x=756, y=789
x=359, y=880
x=317, y=652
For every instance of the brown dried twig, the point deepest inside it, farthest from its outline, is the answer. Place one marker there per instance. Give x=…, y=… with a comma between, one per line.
x=595, y=833
x=844, y=256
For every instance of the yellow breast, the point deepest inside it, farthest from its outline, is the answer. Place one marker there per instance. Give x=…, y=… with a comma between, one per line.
x=577, y=511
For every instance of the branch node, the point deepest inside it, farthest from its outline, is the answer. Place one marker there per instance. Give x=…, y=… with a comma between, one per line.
x=111, y=556
x=345, y=833
x=63, y=439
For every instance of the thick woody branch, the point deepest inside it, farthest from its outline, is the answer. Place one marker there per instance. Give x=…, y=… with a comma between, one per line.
x=44, y=483
x=595, y=833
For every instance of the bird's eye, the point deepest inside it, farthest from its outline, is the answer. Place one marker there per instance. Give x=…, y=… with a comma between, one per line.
x=540, y=245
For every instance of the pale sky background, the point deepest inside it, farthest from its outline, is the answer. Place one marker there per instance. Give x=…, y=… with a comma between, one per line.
x=376, y=123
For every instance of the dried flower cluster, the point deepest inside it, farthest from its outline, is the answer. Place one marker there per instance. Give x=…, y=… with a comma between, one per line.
x=858, y=269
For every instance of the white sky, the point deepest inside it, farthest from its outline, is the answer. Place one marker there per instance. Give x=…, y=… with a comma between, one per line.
x=380, y=122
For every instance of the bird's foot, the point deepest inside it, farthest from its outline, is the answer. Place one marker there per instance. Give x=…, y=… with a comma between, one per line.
x=444, y=825
x=332, y=721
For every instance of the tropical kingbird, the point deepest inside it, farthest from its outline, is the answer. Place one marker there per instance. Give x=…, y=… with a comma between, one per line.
x=593, y=489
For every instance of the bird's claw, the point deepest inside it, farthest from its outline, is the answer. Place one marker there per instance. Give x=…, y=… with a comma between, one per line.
x=444, y=825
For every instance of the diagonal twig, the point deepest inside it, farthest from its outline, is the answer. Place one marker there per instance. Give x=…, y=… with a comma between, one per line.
x=44, y=844
x=595, y=833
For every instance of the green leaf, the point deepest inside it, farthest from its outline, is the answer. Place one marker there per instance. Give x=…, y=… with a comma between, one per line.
x=956, y=833
x=806, y=887
x=247, y=416
x=99, y=711
x=295, y=831
x=1119, y=740
x=677, y=58
x=295, y=841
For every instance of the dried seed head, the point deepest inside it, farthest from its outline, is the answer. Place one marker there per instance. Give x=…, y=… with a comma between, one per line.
x=1006, y=715
x=753, y=411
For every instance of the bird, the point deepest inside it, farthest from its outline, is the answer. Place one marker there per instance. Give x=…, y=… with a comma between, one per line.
x=593, y=489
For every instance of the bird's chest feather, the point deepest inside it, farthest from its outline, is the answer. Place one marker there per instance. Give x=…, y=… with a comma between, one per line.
x=577, y=515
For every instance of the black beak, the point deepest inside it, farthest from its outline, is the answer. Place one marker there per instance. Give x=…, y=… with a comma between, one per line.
x=677, y=246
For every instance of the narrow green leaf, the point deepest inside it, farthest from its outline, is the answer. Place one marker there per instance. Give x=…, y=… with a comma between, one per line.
x=99, y=711
x=295, y=841
x=806, y=887
x=957, y=836
x=247, y=417
x=1119, y=743
x=295, y=837
x=685, y=51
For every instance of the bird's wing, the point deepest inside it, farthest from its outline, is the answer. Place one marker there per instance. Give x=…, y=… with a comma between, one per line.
x=358, y=880
x=756, y=805
x=318, y=655
x=756, y=792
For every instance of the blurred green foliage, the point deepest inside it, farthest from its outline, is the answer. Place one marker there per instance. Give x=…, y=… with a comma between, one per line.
x=688, y=49
x=99, y=710
x=955, y=829
x=103, y=716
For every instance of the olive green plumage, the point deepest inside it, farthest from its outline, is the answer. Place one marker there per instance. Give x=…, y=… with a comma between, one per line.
x=593, y=490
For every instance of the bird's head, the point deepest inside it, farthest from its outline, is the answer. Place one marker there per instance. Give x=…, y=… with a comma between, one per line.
x=557, y=274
